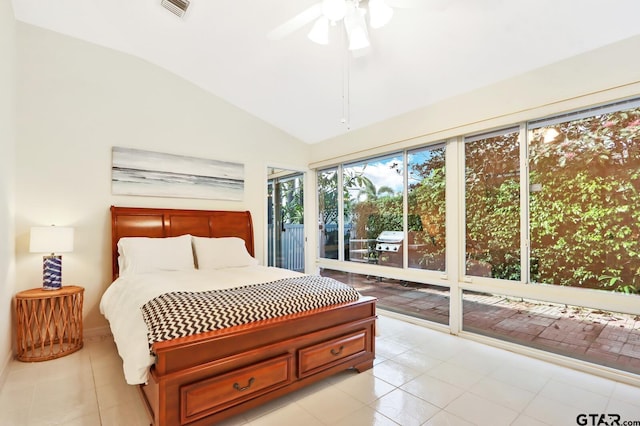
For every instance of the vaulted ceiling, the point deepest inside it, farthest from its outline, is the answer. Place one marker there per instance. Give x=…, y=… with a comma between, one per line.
x=252, y=53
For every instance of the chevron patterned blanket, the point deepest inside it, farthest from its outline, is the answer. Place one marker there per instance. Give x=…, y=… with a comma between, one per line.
x=179, y=314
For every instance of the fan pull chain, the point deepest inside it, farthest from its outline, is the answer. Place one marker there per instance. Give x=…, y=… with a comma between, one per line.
x=346, y=79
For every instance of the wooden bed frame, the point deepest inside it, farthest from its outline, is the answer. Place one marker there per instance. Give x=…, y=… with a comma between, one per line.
x=205, y=378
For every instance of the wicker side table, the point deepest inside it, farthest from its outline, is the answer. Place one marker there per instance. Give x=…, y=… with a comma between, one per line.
x=49, y=323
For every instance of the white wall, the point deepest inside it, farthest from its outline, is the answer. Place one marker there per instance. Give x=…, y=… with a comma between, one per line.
x=75, y=101
x=601, y=75
x=7, y=199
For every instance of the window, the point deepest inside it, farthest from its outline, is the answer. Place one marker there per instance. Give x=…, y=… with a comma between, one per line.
x=328, y=212
x=426, y=212
x=551, y=202
x=584, y=173
x=492, y=205
x=373, y=206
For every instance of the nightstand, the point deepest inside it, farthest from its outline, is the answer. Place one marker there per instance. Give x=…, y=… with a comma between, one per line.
x=49, y=322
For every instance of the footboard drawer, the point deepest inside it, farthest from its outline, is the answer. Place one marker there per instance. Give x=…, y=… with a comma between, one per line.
x=217, y=393
x=323, y=355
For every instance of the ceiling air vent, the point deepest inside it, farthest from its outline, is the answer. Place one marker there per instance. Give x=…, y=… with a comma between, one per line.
x=178, y=7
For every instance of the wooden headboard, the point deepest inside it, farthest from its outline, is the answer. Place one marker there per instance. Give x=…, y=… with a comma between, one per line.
x=154, y=222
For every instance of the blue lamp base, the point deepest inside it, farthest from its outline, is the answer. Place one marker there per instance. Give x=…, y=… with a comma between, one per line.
x=52, y=272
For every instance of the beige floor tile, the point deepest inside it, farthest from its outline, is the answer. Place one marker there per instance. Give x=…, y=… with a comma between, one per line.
x=502, y=393
x=524, y=420
x=572, y=395
x=626, y=393
x=330, y=404
x=116, y=394
x=456, y=375
x=14, y=417
x=291, y=415
x=520, y=378
x=395, y=373
x=132, y=414
x=433, y=390
x=389, y=347
x=626, y=410
x=481, y=411
x=404, y=408
x=366, y=416
x=552, y=412
x=443, y=418
x=365, y=387
x=417, y=360
x=421, y=377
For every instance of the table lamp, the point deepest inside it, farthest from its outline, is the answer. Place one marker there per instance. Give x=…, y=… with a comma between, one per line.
x=51, y=239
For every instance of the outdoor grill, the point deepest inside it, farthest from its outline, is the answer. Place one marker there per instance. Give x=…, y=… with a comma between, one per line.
x=389, y=248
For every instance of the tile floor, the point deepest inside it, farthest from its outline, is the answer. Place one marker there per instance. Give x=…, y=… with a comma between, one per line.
x=421, y=377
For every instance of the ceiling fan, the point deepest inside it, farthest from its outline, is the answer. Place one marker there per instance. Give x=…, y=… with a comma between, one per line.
x=353, y=15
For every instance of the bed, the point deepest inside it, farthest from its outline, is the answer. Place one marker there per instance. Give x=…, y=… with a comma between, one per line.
x=204, y=378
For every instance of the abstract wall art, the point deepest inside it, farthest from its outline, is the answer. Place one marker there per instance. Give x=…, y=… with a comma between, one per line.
x=148, y=173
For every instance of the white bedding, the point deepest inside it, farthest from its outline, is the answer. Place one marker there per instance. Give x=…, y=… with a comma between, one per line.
x=121, y=305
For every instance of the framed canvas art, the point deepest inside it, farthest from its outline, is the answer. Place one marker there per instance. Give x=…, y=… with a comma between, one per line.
x=140, y=172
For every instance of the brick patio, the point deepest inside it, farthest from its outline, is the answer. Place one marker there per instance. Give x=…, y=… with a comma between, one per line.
x=604, y=338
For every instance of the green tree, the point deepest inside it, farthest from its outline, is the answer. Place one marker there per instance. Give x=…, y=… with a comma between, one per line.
x=427, y=213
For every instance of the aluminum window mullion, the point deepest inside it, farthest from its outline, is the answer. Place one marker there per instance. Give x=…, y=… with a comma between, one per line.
x=405, y=209
x=340, y=194
x=525, y=266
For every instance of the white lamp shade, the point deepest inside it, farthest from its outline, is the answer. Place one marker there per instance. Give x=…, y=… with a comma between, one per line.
x=51, y=239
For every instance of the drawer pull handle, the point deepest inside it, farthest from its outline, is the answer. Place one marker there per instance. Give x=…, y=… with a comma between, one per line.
x=338, y=352
x=237, y=387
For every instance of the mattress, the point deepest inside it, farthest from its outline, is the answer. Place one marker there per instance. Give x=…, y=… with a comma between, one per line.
x=122, y=305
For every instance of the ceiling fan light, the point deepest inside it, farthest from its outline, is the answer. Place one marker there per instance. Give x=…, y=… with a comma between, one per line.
x=334, y=10
x=356, y=28
x=379, y=13
x=320, y=31
x=358, y=39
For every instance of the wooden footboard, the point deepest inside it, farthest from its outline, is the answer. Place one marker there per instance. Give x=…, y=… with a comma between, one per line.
x=202, y=379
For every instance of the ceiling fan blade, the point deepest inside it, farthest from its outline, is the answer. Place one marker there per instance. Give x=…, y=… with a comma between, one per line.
x=294, y=24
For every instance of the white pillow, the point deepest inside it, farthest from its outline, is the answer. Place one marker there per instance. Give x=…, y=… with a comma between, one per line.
x=218, y=253
x=144, y=254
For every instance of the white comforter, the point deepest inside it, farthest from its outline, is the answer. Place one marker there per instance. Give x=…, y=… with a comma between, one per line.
x=121, y=305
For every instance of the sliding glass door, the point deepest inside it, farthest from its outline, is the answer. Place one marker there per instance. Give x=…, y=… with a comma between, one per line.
x=285, y=219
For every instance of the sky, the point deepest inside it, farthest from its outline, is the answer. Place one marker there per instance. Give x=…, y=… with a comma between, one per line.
x=380, y=171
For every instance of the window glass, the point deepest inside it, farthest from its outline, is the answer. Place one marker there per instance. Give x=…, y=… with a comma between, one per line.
x=585, y=202
x=373, y=206
x=424, y=301
x=593, y=335
x=328, y=213
x=426, y=202
x=492, y=205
